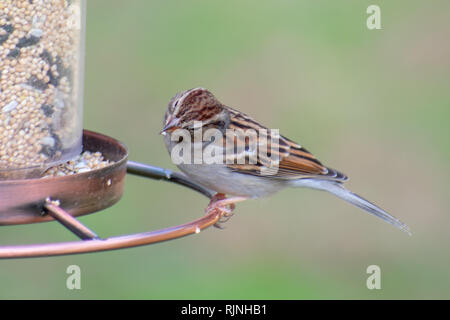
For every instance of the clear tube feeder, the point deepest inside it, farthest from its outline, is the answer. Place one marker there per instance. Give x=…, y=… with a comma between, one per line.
x=41, y=84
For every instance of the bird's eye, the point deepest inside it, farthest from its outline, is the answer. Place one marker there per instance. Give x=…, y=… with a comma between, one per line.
x=176, y=103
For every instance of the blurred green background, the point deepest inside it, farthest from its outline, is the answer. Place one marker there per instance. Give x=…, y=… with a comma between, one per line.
x=372, y=103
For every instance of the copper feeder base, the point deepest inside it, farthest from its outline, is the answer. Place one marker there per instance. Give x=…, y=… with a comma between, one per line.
x=63, y=198
x=22, y=201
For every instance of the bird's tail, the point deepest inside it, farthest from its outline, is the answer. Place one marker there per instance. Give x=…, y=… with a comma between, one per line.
x=338, y=190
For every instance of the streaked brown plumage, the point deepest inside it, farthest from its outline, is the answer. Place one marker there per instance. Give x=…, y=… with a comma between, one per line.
x=294, y=161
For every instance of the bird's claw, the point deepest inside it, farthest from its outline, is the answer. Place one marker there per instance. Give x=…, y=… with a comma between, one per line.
x=224, y=208
x=224, y=212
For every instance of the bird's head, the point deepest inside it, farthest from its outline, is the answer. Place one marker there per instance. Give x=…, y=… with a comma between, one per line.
x=190, y=106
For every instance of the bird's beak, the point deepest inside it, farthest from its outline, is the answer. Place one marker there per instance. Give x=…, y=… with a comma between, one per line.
x=171, y=125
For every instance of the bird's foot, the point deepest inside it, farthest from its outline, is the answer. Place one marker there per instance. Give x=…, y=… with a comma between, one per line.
x=224, y=207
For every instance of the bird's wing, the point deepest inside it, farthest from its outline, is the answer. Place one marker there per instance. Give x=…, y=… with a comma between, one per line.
x=290, y=161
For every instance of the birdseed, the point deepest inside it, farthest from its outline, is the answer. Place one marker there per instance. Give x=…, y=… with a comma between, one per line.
x=85, y=162
x=40, y=86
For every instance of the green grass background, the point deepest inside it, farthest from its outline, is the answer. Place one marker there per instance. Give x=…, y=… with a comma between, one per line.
x=374, y=104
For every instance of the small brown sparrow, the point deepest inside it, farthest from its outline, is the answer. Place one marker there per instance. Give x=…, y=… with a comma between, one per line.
x=294, y=165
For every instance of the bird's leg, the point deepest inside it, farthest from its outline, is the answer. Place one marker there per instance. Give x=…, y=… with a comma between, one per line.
x=225, y=206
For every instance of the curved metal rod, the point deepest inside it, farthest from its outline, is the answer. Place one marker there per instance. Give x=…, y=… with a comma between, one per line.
x=125, y=241
x=157, y=173
x=119, y=242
